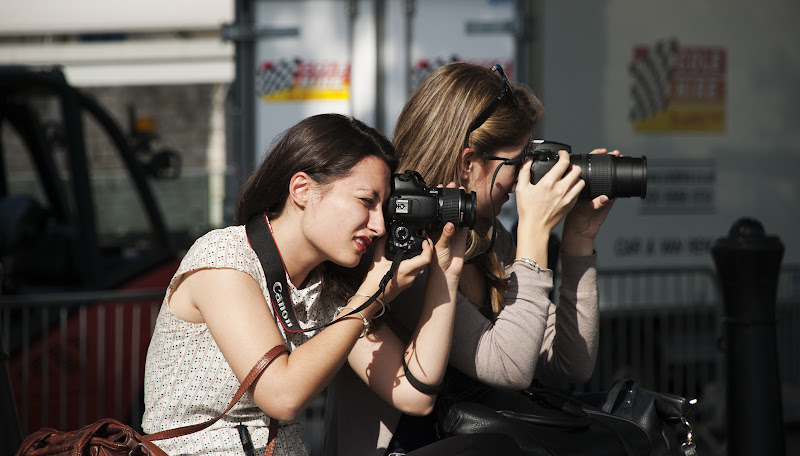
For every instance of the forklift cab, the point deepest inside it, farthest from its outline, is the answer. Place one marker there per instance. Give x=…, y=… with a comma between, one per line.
x=76, y=211
x=77, y=215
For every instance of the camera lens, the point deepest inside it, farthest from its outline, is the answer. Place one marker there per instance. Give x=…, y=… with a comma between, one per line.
x=457, y=207
x=616, y=177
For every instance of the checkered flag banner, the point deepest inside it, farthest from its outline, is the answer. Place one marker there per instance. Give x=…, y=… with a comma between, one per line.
x=298, y=79
x=651, y=71
x=276, y=76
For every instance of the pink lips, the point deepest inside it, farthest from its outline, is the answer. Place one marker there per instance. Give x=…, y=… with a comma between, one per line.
x=363, y=243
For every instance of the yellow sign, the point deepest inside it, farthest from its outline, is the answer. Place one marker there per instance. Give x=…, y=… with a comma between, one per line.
x=298, y=80
x=678, y=88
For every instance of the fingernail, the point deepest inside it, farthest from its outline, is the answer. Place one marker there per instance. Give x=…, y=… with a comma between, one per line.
x=603, y=199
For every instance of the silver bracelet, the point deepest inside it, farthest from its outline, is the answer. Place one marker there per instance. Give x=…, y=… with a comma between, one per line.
x=354, y=311
x=530, y=262
x=380, y=301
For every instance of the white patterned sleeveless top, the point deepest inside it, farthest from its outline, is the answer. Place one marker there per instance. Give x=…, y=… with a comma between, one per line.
x=187, y=379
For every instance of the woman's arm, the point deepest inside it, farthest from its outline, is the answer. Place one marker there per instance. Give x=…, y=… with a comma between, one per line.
x=569, y=349
x=231, y=303
x=504, y=353
x=530, y=328
x=378, y=358
x=531, y=335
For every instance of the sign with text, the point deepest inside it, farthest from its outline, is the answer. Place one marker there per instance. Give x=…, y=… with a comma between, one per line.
x=680, y=187
x=678, y=88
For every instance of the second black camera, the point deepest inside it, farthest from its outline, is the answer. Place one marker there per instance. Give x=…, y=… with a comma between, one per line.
x=615, y=177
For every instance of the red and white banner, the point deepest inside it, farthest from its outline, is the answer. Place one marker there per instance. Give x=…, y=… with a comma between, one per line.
x=678, y=88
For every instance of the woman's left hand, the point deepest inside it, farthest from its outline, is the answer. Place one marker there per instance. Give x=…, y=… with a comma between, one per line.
x=584, y=221
x=450, y=248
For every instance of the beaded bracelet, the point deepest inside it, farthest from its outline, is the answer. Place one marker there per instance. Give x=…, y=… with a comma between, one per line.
x=354, y=311
x=529, y=262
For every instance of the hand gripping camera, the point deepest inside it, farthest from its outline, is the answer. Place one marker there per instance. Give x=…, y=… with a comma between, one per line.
x=615, y=177
x=414, y=208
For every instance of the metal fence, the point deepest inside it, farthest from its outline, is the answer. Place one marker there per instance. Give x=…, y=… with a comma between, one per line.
x=659, y=326
x=664, y=328
x=75, y=358
x=78, y=357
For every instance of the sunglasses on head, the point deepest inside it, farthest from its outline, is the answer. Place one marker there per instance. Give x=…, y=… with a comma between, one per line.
x=505, y=89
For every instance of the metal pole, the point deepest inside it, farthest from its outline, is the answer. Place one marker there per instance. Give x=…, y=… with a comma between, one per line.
x=523, y=41
x=241, y=114
x=10, y=433
x=352, y=14
x=410, y=8
x=380, y=79
x=528, y=45
x=748, y=263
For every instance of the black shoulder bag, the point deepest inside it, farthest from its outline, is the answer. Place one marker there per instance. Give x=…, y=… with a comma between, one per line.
x=626, y=420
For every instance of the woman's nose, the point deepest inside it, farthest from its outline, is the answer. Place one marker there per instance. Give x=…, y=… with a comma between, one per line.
x=377, y=223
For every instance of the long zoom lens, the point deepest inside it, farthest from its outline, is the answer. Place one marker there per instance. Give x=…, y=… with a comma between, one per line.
x=616, y=177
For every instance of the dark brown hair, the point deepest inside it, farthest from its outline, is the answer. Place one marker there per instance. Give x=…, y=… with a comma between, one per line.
x=326, y=147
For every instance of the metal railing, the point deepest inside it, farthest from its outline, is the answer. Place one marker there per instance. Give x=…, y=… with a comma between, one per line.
x=78, y=357
x=664, y=328
x=659, y=326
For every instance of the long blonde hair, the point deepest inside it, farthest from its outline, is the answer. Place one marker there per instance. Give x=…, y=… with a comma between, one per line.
x=429, y=135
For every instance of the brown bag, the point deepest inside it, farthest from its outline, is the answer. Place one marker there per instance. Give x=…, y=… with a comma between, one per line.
x=110, y=437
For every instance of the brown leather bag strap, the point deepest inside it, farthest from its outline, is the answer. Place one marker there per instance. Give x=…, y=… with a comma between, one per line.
x=246, y=383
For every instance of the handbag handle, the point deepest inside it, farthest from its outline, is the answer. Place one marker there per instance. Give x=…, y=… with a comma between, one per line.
x=614, y=394
x=255, y=372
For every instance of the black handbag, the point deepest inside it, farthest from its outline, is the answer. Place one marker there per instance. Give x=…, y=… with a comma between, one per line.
x=626, y=420
x=662, y=415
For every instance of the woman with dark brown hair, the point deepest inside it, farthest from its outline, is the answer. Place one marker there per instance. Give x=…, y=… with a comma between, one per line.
x=320, y=194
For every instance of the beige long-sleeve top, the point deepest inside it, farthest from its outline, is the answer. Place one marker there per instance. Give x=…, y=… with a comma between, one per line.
x=530, y=336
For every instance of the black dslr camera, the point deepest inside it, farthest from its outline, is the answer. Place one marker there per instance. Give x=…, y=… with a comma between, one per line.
x=414, y=208
x=615, y=177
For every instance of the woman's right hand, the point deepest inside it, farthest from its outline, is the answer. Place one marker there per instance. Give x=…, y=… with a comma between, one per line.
x=542, y=206
x=408, y=270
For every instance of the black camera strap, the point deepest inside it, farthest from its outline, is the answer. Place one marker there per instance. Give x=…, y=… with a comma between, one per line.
x=479, y=256
x=259, y=235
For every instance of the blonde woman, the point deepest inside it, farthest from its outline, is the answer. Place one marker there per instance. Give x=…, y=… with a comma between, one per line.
x=469, y=124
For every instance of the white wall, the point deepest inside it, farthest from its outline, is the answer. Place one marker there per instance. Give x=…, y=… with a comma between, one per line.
x=41, y=17
x=754, y=160
x=141, y=58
